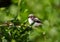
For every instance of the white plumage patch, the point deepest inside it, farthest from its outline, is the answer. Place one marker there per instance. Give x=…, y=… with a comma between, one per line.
x=36, y=24
x=30, y=21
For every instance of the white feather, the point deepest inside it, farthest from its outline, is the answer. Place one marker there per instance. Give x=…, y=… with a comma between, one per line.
x=30, y=20
x=37, y=24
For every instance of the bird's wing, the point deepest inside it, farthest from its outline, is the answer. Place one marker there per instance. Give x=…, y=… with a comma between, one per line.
x=37, y=20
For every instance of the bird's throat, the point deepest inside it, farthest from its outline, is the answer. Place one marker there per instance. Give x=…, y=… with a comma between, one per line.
x=30, y=21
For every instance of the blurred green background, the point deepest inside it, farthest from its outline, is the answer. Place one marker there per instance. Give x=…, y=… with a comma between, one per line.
x=47, y=10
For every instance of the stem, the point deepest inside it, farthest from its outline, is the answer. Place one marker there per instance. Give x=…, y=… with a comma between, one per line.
x=19, y=2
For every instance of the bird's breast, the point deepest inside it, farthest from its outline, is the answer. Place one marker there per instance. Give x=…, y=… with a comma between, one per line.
x=30, y=21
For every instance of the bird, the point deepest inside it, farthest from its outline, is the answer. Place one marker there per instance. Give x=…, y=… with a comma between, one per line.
x=34, y=20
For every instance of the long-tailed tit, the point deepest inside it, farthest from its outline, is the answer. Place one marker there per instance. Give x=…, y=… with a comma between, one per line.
x=34, y=20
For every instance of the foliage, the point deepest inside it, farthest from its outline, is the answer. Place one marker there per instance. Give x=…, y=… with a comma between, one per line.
x=17, y=13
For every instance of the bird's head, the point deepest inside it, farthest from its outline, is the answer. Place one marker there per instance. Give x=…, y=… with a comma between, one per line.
x=31, y=16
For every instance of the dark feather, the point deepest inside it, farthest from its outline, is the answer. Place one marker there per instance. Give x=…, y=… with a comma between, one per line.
x=37, y=20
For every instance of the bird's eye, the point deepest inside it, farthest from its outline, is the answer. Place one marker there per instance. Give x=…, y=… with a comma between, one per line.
x=30, y=17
